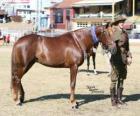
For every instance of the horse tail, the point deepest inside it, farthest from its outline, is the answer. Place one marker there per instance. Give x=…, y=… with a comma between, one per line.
x=13, y=64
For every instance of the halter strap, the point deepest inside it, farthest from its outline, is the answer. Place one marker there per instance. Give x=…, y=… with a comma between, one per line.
x=94, y=36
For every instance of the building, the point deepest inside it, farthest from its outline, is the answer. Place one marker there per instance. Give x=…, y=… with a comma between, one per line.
x=70, y=14
x=84, y=13
x=63, y=14
x=31, y=11
x=95, y=12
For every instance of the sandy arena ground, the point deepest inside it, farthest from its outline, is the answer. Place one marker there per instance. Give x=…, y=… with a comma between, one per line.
x=47, y=89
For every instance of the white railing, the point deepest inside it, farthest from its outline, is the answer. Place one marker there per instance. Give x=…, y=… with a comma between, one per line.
x=88, y=15
x=100, y=14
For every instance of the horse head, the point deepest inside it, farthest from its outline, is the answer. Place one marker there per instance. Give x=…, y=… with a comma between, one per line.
x=105, y=37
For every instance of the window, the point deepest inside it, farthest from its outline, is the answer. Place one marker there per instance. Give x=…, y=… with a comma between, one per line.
x=28, y=12
x=68, y=14
x=28, y=6
x=59, y=16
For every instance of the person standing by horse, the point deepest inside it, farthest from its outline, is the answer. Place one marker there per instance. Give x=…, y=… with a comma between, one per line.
x=7, y=38
x=119, y=62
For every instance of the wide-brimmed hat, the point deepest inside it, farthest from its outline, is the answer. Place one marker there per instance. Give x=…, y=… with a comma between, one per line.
x=120, y=19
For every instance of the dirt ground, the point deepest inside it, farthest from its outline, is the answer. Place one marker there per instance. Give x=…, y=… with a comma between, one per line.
x=47, y=89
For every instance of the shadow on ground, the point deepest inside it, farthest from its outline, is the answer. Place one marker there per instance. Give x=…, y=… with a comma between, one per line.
x=132, y=97
x=91, y=71
x=83, y=98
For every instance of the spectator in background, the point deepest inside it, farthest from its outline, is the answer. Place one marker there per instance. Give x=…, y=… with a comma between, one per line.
x=0, y=33
x=8, y=38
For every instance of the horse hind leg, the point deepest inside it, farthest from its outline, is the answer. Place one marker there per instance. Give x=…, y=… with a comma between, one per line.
x=88, y=62
x=18, y=69
x=16, y=86
x=94, y=63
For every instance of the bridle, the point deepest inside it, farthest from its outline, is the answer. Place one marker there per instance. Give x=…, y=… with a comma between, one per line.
x=106, y=32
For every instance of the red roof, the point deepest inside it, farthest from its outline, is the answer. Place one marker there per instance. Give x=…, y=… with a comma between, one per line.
x=66, y=3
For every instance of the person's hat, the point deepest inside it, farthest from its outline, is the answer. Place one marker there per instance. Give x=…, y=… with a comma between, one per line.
x=120, y=19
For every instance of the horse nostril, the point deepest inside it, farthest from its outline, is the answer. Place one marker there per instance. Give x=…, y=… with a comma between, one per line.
x=113, y=50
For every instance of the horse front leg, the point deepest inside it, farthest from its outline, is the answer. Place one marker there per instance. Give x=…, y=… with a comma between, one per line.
x=73, y=74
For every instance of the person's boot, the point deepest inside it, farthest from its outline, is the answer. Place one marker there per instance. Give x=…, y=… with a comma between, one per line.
x=119, y=96
x=113, y=97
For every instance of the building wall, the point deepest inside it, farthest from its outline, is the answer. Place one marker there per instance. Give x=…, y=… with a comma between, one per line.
x=66, y=24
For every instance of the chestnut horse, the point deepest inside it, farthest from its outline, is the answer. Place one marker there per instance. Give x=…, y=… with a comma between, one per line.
x=64, y=51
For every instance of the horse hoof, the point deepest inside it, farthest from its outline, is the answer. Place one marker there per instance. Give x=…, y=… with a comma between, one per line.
x=19, y=103
x=95, y=73
x=21, y=100
x=75, y=106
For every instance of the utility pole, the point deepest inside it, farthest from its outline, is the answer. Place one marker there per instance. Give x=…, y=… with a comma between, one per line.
x=38, y=15
x=113, y=10
x=133, y=8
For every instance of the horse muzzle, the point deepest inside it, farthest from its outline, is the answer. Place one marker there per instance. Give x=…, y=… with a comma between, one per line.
x=112, y=49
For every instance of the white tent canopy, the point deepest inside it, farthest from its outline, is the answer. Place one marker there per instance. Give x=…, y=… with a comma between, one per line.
x=95, y=3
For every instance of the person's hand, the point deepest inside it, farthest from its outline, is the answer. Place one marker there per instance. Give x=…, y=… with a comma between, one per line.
x=129, y=60
x=121, y=25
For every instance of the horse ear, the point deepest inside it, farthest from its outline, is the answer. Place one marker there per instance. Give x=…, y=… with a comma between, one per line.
x=108, y=24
